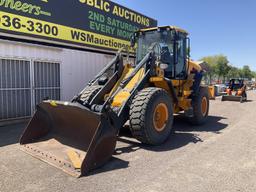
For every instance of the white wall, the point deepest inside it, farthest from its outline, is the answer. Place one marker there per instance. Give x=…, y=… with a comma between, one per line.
x=77, y=67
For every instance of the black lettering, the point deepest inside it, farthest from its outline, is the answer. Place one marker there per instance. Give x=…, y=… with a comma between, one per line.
x=83, y=37
x=30, y=26
x=47, y=29
x=16, y=23
x=7, y=21
x=55, y=30
x=75, y=35
x=90, y=38
x=39, y=27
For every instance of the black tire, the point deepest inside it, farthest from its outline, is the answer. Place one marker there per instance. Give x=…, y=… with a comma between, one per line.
x=89, y=94
x=143, y=114
x=244, y=95
x=199, y=117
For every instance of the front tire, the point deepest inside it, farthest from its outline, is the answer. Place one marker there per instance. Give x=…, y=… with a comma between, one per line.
x=87, y=96
x=151, y=116
x=200, y=104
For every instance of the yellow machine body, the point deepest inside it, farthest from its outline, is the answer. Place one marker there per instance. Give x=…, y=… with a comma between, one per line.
x=184, y=102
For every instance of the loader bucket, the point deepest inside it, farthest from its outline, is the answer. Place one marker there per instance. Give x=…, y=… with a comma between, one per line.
x=232, y=98
x=69, y=137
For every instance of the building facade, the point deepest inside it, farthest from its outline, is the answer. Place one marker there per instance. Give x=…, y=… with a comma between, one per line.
x=30, y=73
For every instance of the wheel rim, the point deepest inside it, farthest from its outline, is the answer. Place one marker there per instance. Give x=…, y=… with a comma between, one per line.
x=160, y=117
x=204, y=106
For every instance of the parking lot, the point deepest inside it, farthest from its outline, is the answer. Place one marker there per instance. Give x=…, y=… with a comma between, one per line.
x=218, y=156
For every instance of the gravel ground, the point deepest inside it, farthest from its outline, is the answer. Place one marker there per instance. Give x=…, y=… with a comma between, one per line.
x=218, y=156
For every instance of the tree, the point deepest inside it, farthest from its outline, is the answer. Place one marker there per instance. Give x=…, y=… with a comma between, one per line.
x=218, y=66
x=220, y=69
x=254, y=74
x=233, y=72
x=211, y=65
x=246, y=72
x=222, y=66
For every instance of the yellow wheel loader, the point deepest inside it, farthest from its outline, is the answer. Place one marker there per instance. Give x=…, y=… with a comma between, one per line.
x=81, y=135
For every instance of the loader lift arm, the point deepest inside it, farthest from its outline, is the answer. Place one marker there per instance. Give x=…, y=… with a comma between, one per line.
x=118, y=117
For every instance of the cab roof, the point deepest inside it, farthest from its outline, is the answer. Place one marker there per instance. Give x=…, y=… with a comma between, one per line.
x=164, y=28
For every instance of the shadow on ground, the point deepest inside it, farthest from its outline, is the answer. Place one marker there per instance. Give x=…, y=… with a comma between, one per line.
x=248, y=101
x=183, y=134
x=113, y=164
x=10, y=134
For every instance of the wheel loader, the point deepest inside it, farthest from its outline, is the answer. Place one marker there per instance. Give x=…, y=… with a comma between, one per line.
x=79, y=136
x=236, y=91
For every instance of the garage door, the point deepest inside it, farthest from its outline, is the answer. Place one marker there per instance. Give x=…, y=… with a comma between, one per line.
x=15, y=89
x=25, y=83
x=46, y=81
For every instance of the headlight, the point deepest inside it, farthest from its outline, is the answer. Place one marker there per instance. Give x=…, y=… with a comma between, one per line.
x=163, y=66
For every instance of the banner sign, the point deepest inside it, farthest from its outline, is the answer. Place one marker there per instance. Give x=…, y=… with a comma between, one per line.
x=100, y=24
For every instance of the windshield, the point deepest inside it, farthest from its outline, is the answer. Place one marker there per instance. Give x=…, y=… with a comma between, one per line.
x=164, y=38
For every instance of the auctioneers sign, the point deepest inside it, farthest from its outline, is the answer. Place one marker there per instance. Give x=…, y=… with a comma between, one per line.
x=100, y=24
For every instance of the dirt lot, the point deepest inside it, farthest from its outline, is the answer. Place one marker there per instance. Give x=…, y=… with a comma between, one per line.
x=218, y=156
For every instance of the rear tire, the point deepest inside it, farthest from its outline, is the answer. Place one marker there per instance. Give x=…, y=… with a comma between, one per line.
x=151, y=116
x=89, y=94
x=244, y=95
x=200, y=104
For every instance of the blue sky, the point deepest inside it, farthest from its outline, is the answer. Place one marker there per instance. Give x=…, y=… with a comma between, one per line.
x=216, y=26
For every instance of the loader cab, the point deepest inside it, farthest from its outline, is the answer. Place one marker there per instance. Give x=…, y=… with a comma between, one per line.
x=236, y=84
x=170, y=46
